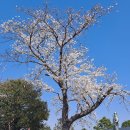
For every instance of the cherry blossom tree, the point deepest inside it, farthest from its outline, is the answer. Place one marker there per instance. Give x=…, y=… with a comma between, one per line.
x=50, y=42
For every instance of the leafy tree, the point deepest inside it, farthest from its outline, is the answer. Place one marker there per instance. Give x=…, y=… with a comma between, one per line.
x=45, y=128
x=104, y=124
x=21, y=106
x=126, y=124
x=50, y=42
x=84, y=129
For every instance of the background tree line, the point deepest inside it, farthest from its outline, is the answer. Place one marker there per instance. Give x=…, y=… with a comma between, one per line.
x=106, y=123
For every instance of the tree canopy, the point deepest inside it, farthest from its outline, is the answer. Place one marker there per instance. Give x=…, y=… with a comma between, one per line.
x=21, y=106
x=126, y=124
x=84, y=129
x=103, y=124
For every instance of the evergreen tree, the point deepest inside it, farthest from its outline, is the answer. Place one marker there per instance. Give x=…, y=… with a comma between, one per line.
x=126, y=124
x=21, y=106
x=103, y=124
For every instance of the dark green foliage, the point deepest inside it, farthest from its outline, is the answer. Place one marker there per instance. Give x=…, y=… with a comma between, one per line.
x=103, y=124
x=45, y=128
x=21, y=106
x=126, y=124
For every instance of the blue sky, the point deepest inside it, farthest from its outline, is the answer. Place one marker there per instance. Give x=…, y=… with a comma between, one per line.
x=108, y=42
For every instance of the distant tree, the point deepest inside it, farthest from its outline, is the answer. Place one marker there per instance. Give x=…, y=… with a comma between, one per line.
x=21, y=106
x=126, y=124
x=45, y=128
x=103, y=124
x=84, y=129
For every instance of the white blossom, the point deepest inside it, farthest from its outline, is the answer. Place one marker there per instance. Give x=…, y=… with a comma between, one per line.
x=51, y=45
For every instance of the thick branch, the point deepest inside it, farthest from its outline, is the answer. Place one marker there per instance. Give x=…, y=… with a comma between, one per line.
x=88, y=111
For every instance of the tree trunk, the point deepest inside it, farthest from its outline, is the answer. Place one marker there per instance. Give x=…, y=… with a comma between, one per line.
x=65, y=127
x=65, y=121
